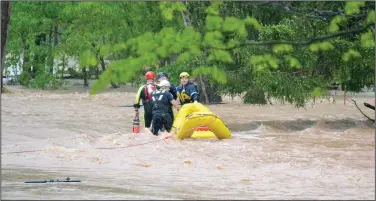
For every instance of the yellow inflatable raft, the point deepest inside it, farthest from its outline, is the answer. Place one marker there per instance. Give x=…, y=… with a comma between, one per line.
x=194, y=120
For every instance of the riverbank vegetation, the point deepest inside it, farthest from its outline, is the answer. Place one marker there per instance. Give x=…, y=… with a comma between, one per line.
x=290, y=51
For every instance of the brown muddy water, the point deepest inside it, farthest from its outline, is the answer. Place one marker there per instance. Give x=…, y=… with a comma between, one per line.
x=277, y=152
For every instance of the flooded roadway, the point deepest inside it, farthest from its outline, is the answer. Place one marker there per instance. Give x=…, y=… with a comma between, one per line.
x=277, y=152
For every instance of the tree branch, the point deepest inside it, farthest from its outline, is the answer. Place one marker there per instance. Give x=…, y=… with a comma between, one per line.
x=302, y=42
x=317, y=12
x=253, y=3
x=286, y=7
x=328, y=13
x=369, y=106
x=362, y=111
x=317, y=17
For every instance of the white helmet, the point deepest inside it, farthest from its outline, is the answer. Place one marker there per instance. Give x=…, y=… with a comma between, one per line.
x=164, y=83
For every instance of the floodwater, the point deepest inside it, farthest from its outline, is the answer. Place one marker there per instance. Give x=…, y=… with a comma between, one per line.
x=326, y=151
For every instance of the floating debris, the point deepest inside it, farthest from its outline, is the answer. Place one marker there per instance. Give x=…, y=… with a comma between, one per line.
x=52, y=181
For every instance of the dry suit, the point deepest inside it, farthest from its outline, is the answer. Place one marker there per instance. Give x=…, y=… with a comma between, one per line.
x=188, y=93
x=144, y=94
x=161, y=115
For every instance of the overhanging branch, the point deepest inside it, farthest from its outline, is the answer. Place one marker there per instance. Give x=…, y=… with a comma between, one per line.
x=369, y=118
x=301, y=42
x=324, y=15
x=369, y=106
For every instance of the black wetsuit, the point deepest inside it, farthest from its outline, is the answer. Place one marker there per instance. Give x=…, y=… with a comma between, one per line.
x=144, y=94
x=161, y=115
x=175, y=96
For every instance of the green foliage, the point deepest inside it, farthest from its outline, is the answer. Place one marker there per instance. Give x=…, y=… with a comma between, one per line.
x=190, y=38
x=41, y=80
x=287, y=87
x=134, y=35
x=221, y=56
x=235, y=25
x=335, y=22
x=317, y=92
x=323, y=46
x=213, y=72
x=264, y=61
x=118, y=47
x=24, y=78
x=281, y=31
x=293, y=62
x=214, y=8
x=214, y=39
x=168, y=8
x=353, y=7
x=283, y=48
x=371, y=17
x=253, y=21
x=87, y=59
x=350, y=54
x=105, y=50
x=368, y=40
x=213, y=23
x=185, y=57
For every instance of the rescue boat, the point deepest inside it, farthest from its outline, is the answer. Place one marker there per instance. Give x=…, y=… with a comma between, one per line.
x=194, y=120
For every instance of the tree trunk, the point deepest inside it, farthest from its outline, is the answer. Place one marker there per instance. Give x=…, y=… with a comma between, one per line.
x=103, y=65
x=209, y=96
x=5, y=20
x=63, y=68
x=26, y=64
x=85, y=75
x=56, y=39
x=97, y=73
x=50, y=57
x=203, y=89
x=55, y=43
x=39, y=58
x=186, y=19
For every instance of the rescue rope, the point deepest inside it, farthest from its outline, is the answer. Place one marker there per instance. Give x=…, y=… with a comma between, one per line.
x=27, y=151
x=100, y=148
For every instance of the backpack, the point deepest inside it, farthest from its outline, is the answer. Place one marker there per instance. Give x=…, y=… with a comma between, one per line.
x=147, y=92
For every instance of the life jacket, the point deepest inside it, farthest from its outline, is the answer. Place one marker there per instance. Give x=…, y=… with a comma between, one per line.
x=147, y=92
x=183, y=94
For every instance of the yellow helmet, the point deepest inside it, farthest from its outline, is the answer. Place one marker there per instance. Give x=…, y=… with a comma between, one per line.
x=183, y=74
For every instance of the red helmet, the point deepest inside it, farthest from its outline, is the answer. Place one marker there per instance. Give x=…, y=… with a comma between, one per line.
x=150, y=75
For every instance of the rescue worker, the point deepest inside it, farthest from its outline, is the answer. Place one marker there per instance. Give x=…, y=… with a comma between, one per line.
x=162, y=76
x=144, y=93
x=187, y=91
x=162, y=101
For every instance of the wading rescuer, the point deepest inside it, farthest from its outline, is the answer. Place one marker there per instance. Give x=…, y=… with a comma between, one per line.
x=187, y=91
x=144, y=93
x=162, y=101
x=162, y=76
